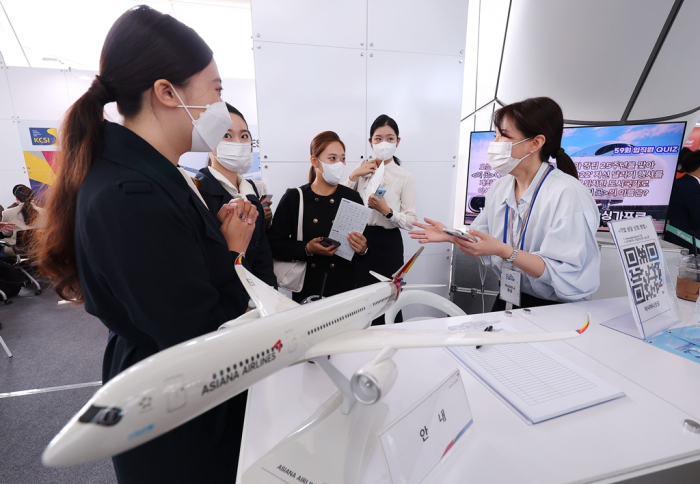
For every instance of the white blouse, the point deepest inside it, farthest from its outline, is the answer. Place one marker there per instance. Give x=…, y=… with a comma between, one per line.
x=561, y=230
x=400, y=196
x=14, y=215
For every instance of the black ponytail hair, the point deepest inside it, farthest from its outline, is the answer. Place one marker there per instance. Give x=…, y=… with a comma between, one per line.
x=384, y=120
x=540, y=115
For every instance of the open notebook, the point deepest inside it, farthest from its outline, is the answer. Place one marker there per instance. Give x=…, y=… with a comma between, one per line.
x=534, y=381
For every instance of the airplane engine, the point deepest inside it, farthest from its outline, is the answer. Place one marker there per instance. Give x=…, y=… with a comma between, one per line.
x=374, y=380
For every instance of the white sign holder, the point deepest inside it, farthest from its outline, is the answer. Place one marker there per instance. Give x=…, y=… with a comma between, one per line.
x=649, y=285
x=332, y=446
x=420, y=439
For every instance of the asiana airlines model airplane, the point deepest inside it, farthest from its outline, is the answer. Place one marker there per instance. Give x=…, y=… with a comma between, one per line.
x=178, y=384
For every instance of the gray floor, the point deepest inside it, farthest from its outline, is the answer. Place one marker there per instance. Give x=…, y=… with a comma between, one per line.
x=52, y=345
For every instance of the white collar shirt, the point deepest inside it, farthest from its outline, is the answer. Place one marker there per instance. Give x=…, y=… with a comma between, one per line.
x=400, y=196
x=245, y=187
x=561, y=230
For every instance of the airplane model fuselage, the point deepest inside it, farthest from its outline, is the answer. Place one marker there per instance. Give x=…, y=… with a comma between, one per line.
x=178, y=384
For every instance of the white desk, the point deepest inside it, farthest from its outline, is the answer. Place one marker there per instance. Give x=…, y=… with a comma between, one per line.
x=639, y=433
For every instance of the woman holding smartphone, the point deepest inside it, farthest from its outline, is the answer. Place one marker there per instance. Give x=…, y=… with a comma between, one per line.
x=127, y=234
x=539, y=222
x=221, y=182
x=326, y=273
x=394, y=204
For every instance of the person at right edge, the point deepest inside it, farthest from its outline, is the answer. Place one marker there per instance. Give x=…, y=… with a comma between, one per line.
x=394, y=211
x=684, y=208
x=127, y=233
x=538, y=221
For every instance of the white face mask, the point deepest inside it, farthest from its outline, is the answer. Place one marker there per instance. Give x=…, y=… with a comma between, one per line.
x=499, y=156
x=384, y=151
x=210, y=127
x=234, y=156
x=332, y=172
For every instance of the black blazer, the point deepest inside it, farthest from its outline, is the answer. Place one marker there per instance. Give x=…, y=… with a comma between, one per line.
x=684, y=209
x=319, y=213
x=156, y=270
x=258, y=256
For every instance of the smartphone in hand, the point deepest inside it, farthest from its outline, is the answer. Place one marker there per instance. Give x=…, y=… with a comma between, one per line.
x=462, y=235
x=380, y=192
x=328, y=242
x=265, y=200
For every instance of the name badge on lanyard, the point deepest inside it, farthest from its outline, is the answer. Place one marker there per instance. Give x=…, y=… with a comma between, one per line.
x=510, y=277
x=510, y=285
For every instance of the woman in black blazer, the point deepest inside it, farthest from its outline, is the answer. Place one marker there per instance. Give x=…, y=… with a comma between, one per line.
x=222, y=181
x=127, y=234
x=322, y=198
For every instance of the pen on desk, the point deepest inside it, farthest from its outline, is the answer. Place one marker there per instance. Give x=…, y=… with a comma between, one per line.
x=486, y=329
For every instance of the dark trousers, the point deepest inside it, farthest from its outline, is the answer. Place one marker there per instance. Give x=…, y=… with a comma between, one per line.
x=526, y=301
x=385, y=257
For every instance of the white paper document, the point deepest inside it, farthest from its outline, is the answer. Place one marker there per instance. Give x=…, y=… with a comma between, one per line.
x=534, y=381
x=351, y=216
x=374, y=182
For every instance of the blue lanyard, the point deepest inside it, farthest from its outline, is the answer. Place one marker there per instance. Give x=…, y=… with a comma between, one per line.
x=527, y=216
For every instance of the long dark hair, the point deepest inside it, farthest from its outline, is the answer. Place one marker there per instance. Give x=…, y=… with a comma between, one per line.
x=540, y=115
x=25, y=195
x=318, y=145
x=384, y=120
x=142, y=47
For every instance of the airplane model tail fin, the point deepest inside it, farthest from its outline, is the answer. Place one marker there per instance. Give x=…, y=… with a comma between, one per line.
x=407, y=266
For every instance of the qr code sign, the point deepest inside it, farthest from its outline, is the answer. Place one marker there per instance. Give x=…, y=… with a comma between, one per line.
x=644, y=268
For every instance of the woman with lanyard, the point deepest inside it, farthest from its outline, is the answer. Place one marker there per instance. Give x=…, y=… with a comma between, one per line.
x=221, y=182
x=326, y=274
x=393, y=210
x=537, y=230
x=127, y=234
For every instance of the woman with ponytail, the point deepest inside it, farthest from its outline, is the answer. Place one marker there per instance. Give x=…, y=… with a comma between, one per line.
x=22, y=216
x=127, y=234
x=539, y=222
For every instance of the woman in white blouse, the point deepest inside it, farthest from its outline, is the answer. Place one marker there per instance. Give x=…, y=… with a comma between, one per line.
x=393, y=211
x=539, y=222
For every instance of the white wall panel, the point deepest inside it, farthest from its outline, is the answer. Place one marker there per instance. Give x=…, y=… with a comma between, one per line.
x=435, y=27
x=240, y=93
x=587, y=55
x=423, y=94
x=428, y=269
x=434, y=199
x=278, y=177
x=12, y=158
x=38, y=93
x=671, y=86
x=78, y=82
x=341, y=23
x=6, y=109
x=303, y=90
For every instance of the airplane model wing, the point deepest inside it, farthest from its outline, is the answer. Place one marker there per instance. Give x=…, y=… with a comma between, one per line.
x=378, y=339
x=267, y=300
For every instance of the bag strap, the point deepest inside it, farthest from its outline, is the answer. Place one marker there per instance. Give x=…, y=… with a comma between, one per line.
x=255, y=189
x=301, y=216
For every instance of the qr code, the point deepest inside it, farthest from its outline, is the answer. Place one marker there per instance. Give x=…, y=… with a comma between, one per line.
x=644, y=268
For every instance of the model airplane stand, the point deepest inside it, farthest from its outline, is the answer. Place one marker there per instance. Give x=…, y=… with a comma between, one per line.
x=332, y=446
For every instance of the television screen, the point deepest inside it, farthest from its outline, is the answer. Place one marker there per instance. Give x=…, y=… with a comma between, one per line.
x=629, y=169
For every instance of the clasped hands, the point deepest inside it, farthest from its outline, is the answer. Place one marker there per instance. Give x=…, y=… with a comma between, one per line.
x=237, y=219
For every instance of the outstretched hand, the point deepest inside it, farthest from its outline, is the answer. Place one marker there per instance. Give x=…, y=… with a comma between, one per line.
x=486, y=245
x=432, y=232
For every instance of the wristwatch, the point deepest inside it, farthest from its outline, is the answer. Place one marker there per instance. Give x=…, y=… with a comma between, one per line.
x=389, y=214
x=512, y=256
